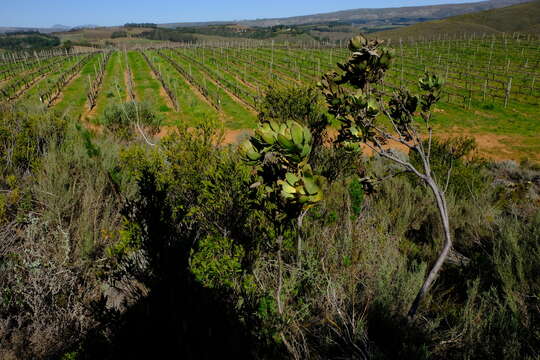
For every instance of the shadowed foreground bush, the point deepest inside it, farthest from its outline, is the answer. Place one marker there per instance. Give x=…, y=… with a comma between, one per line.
x=113, y=250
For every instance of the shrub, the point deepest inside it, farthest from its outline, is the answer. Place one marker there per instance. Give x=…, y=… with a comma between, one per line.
x=119, y=34
x=217, y=262
x=125, y=120
x=50, y=257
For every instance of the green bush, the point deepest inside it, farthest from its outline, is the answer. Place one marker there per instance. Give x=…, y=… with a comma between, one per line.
x=119, y=34
x=356, y=192
x=300, y=104
x=60, y=211
x=217, y=263
x=24, y=140
x=128, y=119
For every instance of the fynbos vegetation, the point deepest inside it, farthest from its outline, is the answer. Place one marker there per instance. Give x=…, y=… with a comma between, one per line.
x=345, y=224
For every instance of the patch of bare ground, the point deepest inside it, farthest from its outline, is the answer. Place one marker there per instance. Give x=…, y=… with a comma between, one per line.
x=165, y=130
x=93, y=127
x=490, y=146
x=87, y=116
x=494, y=147
x=331, y=135
x=235, y=136
x=222, y=137
x=89, y=113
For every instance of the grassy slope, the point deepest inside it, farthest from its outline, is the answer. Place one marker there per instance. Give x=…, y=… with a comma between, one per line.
x=31, y=97
x=194, y=111
x=113, y=87
x=513, y=18
x=519, y=18
x=237, y=116
x=74, y=95
x=147, y=88
x=514, y=131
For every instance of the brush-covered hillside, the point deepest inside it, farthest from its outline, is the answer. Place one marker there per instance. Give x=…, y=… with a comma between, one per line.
x=517, y=18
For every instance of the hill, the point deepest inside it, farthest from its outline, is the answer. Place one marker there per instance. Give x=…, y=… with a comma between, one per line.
x=55, y=28
x=28, y=41
x=372, y=16
x=334, y=26
x=517, y=18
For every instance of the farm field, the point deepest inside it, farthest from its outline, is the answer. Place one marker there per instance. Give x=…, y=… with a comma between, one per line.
x=492, y=85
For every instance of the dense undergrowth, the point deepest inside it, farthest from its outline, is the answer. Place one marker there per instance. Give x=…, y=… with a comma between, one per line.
x=112, y=248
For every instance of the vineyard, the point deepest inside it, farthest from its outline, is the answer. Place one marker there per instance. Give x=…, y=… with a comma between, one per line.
x=223, y=190
x=492, y=84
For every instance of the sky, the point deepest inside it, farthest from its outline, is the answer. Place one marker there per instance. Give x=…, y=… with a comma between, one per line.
x=45, y=13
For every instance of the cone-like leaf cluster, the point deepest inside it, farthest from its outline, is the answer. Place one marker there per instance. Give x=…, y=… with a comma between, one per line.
x=432, y=85
x=430, y=82
x=401, y=109
x=281, y=153
x=290, y=141
x=356, y=112
x=303, y=189
x=368, y=62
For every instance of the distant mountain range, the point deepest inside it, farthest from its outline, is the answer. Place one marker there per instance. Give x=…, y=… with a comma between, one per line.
x=52, y=29
x=60, y=26
x=367, y=16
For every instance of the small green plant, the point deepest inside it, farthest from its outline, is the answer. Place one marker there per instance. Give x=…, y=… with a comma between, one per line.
x=356, y=193
x=300, y=104
x=125, y=120
x=217, y=263
x=280, y=154
x=91, y=149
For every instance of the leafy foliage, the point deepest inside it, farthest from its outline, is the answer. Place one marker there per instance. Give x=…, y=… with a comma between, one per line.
x=124, y=120
x=167, y=35
x=281, y=152
x=28, y=41
x=119, y=34
x=113, y=248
